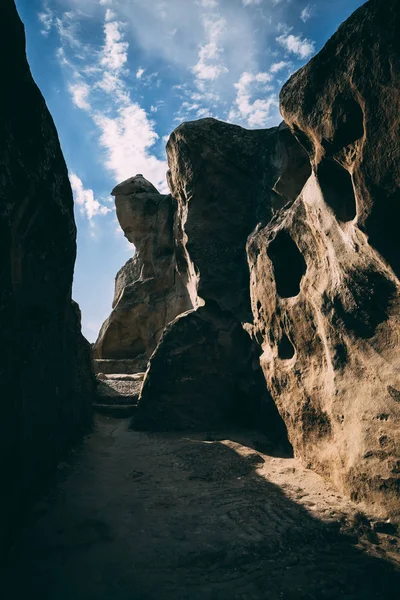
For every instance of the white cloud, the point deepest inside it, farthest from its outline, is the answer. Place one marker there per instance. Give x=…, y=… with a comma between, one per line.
x=209, y=3
x=201, y=42
x=110, y=15
x=307, y=13
x=202, y=113
x=85, y=198
x=114, y=54
x=80, y=92
x=302, y=47
x=250, y=2
x=127, y=140
x=68, y=26
x=276, y=67
x=126, y=134
x=46, y=17
x=255, y=112
x=209, y=65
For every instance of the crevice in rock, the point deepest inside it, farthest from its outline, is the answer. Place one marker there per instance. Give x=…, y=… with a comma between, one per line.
x=289, y=265
x=337, y=189
x=303, y=140
x=295, y=169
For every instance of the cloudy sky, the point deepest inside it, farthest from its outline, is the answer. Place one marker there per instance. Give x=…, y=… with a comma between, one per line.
x=120, y=75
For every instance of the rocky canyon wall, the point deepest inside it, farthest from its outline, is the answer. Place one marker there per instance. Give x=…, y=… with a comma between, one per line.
x=314, y=299
x=324, y=272
x=45, y=367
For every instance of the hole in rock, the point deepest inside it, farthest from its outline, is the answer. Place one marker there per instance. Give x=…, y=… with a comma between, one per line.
x=337, y=189
x=285, y=348
x=348, y=121
x=289, y=265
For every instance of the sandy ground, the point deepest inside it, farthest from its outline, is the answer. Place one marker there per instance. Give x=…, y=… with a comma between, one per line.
x=144, y=516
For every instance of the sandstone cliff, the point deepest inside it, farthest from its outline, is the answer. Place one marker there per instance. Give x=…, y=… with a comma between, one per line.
x=45, y=367
x=206, y=372
x=153, y=287
x=328, y=319
x=323, y=254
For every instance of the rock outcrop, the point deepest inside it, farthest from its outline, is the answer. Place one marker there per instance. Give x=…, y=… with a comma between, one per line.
x=205, y=372
x=284, y=246
x=153, y=287
x=323, y=252
x=46, y=371
x=324, y=272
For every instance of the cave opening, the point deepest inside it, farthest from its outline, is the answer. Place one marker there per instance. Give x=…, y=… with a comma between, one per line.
x=288, y=263
x=337, y=189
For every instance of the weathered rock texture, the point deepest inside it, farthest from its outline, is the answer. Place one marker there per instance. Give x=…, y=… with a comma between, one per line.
x=205, y=371
x=323, y=252
x=152, y=288
x=45, y=365
x=324, y=272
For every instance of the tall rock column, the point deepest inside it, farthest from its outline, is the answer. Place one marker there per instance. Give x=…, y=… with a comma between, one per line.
x=46, y=371
x=154, y=286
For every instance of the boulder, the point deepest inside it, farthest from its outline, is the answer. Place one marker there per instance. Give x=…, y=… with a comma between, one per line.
x=205, y=374
x=150, y=290
x=324, y=271
x=46, y=368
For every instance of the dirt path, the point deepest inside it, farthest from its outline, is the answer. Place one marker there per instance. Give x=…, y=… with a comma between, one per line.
x=199, y=517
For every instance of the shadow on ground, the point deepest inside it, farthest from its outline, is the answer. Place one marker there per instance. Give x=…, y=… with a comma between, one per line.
x=172, y=517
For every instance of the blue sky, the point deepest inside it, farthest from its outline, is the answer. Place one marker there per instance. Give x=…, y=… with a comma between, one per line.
x=120, y=75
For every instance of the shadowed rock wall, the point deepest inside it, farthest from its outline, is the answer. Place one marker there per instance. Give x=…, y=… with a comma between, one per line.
x=45, y=366
x=205, y=372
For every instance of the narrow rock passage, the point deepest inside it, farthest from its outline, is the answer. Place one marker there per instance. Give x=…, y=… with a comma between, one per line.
x=201, y=517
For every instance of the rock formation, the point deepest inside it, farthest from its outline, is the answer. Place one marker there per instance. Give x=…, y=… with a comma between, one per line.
x=323, y=253
x=45, y=368
x=272, y=270
x=205, y=372
x=153, y=287
x=328, y=316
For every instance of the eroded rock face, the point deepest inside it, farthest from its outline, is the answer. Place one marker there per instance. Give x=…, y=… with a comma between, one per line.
x=152, y=288
x=205, y=372
x=46, y=371
x=344, y=106
x=324, y=272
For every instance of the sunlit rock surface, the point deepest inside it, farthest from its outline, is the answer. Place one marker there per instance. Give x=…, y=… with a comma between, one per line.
x=152, y=288
x=324, y=272
x=45, y=367
x=323, y=252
